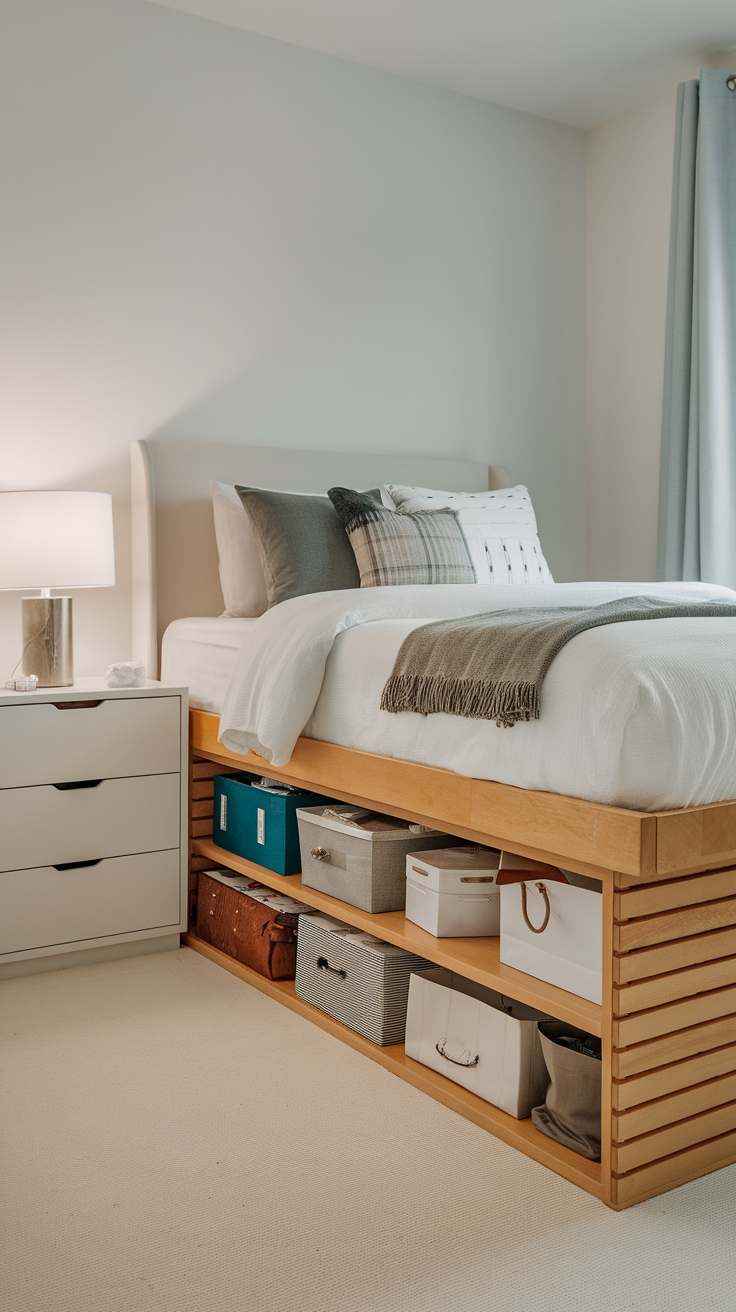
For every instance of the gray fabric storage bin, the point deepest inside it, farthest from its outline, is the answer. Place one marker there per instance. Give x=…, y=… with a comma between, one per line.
x=571, y=1111
x=366, y=869
x=355, y=977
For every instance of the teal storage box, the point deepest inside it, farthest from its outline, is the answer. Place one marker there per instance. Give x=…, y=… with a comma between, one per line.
x=260, y=825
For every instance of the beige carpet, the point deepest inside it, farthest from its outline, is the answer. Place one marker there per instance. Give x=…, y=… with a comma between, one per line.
x=173, y=1141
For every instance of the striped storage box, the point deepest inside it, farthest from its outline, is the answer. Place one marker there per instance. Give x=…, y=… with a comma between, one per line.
x=354, y=977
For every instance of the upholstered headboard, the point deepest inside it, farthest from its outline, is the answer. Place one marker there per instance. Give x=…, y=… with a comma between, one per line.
x=175, y=565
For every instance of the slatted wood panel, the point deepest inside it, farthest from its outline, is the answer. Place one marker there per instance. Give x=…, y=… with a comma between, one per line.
x=647, y=962
x=673, y=1017
x=669, y=1172
x=689, y=891
x=640, y=1058
x=673, y=1138
x=676, y=1107
x=673, y=1089
x=647, y=931
x=654, y=1084
x=201, y=809
x=675, y=984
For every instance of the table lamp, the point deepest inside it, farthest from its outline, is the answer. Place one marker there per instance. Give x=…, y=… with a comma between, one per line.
x=54, y=540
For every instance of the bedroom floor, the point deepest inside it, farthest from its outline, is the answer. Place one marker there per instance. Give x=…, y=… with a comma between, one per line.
x=171, y=1139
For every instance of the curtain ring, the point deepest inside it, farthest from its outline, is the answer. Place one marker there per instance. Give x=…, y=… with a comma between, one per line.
x=731, y=82
x=540, y=889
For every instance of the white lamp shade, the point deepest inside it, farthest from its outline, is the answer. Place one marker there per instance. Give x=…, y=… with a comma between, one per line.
x=56, y=540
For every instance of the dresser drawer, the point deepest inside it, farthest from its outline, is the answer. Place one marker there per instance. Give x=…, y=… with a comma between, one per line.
x=43, y=744
x=46, y=907
x=48, y=826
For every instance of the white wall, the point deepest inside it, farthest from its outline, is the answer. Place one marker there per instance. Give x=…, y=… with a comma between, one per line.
x=213, y=234
x=629, y=191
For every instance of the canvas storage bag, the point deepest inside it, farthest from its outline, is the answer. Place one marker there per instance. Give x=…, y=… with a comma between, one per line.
x=480, y=1039
x=571, y=1111
x=552, y=925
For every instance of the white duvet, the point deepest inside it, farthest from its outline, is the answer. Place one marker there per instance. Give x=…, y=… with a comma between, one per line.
x=641, y=714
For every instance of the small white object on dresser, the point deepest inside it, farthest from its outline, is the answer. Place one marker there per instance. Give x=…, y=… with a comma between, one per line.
x=93, y=819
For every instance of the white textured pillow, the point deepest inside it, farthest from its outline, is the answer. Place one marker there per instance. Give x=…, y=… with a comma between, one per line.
x=242, y=579
x=500, y=529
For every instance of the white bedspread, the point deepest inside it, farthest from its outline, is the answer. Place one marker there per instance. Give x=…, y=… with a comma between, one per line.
x=641, y=714
x=200, y=654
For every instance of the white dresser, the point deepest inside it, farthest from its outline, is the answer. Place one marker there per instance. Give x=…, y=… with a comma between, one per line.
x=93, y=824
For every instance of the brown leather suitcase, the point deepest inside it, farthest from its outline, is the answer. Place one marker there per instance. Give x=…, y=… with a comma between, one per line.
x=253, y=932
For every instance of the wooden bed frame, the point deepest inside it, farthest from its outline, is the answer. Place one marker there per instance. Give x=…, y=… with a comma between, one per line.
x=668, y=1016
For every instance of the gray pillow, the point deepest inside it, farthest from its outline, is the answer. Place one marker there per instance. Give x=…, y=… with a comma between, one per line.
x=393, y=547
x=301, y=541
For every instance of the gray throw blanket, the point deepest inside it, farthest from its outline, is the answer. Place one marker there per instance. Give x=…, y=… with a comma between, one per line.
x=491, y=666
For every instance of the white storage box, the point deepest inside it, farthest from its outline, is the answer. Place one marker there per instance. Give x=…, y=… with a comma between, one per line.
x=359, y=856
x=360, y=980
x=452, y=893
x=552, y=930
x=478, y=1038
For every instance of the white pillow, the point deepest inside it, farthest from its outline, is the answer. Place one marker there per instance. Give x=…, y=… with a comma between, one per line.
x=500, y=529
x=242, y=579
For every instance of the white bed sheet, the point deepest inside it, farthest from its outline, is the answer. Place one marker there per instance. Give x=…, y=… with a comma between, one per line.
x=631, y=734
x=623, y=719
x=640, y=715
x=200, y=654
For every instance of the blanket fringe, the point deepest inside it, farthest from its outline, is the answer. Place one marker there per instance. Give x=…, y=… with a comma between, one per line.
x=475, y=699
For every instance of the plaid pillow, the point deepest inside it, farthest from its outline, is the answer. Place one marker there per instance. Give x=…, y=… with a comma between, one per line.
x=392, y=548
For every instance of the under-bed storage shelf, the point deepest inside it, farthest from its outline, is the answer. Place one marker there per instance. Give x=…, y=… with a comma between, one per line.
x=668, y=1019
x=518, y=1134
x=475, y=958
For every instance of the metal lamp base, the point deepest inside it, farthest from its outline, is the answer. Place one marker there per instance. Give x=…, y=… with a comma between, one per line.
x=47, y=640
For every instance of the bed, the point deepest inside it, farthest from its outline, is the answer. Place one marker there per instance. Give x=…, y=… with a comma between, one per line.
x=668, y=1035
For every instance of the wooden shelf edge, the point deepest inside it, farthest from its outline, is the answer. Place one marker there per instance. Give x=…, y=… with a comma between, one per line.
x=336, y=783
x=459, y=955
x=518, y=1134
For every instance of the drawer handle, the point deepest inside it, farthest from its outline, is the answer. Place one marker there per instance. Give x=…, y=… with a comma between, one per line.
x=77, y=865
x=320, y=853
x=323, y=964
x=78, y=783
x=77, y=706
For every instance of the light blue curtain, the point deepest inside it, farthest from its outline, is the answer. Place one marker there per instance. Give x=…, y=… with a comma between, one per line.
x=697, y=497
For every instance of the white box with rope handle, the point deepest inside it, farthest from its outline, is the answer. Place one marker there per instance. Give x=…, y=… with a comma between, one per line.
x=552, y=925
x=452, y=892
x=481, y=1039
